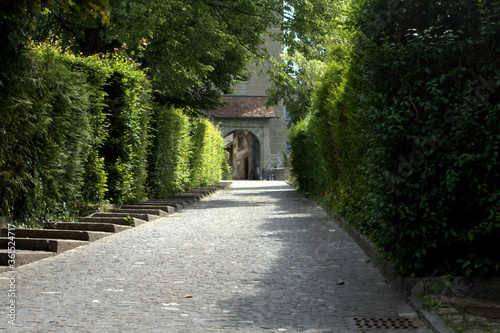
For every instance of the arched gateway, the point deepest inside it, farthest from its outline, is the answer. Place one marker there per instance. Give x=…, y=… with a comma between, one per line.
x=244, y=154
x=263, y=130
x=254, y=134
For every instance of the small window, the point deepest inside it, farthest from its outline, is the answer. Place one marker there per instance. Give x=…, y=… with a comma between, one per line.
x=241, y=142
x=287, y=114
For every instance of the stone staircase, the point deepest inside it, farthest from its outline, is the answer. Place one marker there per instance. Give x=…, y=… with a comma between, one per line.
x=29, y=245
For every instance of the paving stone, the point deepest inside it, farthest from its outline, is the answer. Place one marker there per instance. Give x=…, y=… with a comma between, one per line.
x=256, y=257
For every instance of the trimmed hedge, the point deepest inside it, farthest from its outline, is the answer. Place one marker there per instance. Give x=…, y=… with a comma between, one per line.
x=432, y=82
x=187, y=153
x=125, y=148
x=46, y=134
x=408, y=133
x=76, y=133
x=170, y=154
x=62, y=115
x=207, y=153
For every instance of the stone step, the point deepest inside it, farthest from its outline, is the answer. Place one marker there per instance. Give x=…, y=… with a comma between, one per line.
x=202, y=190
x=146, y=210
x=168, y=202
x=177, y=205
x=91, y=226
x=131, y=222
x=141, y=216
x=187, y=195
x=24, y=257
x=89, y=236
x=166, y=208
x=41, y=244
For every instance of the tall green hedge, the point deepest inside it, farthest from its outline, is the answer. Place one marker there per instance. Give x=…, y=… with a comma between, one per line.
x=171, y=151
x=305, y=163
x=412, y=128
x=186, y=153
x=46, y=133
x=120, y=96
x=76, y=132
x=96, y=74
x=326, y=150
x=430, y=78
x=207, y=153
x=72, y=128
x=125, y=148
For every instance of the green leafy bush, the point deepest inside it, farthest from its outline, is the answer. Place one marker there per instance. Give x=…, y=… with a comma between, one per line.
x=170, y=153
x=120, y=96
x=207, y=153
x=341, y=142
x=403, y=139
x=304, y=161
x=72, y=128
x=96, y=73
x=46, y=135
x=125, y=147
x=429, y=80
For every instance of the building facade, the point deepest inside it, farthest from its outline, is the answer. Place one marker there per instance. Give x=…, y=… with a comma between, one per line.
x=256, y=136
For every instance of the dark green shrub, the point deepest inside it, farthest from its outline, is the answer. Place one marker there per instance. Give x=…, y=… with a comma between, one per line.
x=403, y=140
x=341, y=147
x=429, y=77
x=96, y=73
x=120, y=94
x=46, y=133
x=67, y=123
x=305, y=163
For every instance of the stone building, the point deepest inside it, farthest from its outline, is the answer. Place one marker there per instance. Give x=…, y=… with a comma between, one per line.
x=256, y=136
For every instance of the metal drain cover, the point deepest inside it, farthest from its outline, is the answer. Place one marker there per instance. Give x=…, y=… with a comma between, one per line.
x=383, y=323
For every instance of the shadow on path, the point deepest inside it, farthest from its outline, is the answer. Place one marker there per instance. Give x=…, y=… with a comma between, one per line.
x=318, y=274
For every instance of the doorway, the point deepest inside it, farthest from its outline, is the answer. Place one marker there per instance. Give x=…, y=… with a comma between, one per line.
x=244, y=155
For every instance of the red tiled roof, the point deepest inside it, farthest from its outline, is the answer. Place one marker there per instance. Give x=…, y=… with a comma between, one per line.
x=243, y=107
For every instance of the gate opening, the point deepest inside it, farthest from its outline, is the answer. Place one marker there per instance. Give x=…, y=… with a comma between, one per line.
x=244, y=155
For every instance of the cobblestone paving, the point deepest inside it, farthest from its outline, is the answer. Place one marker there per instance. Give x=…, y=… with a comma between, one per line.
x=254, y=258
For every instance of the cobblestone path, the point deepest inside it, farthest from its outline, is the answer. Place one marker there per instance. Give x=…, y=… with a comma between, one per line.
x=253, y=258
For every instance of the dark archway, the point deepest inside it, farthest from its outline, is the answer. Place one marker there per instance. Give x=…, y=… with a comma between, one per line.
x=244, y=155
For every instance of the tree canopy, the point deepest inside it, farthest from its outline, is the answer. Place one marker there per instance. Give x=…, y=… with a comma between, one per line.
x=309, y=29
x=192, y=49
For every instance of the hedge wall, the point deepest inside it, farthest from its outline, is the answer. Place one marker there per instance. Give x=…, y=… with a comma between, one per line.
x=412, y=128
x=430, y=80
x=169, y=161
x=125, y=148
x=46, y=134
x=72, y=128
x=76, y=132
x=207, y=153
x=187, y=153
